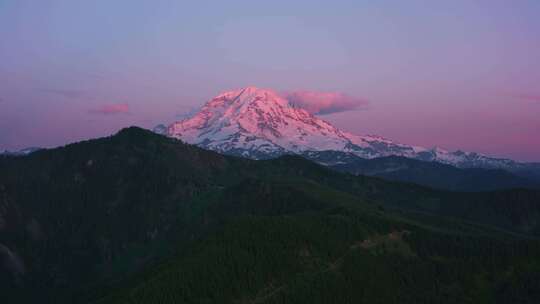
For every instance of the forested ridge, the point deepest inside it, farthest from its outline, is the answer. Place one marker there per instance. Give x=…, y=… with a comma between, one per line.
x=141, y=218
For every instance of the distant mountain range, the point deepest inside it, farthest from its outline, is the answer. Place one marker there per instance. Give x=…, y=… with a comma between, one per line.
x=260, y=124
x=432, y=174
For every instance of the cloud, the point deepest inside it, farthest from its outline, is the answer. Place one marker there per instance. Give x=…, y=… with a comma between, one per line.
x=111, y=109
x=325, y=102
x=72, y=94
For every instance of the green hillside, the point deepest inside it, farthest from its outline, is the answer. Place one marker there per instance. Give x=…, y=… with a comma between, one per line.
x=140, y=218
x=337, y=253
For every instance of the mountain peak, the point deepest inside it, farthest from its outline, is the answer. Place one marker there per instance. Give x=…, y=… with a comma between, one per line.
x=253, y=90
x=248, y=95
x=259, y=123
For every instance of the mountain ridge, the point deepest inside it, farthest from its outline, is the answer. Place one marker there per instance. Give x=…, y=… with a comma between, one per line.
x=88, y=214
x=433, y=174
x=260, y=123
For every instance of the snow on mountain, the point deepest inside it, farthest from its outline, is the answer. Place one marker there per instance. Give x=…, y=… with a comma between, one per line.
x=259, y=123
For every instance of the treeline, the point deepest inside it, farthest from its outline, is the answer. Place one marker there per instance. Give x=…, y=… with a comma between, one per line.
x=140, y=218
x=317, y=259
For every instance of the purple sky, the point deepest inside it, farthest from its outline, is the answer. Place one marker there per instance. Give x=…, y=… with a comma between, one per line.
x=459, y=74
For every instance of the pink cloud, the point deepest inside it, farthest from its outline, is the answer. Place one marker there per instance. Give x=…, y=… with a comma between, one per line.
x=110, y=109
x=325, y=102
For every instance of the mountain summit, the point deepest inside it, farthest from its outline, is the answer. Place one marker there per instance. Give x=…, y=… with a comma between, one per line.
x=259, y=123
x=256, y=123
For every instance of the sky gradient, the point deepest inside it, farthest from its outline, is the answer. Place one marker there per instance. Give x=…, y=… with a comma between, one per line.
x=459, y=74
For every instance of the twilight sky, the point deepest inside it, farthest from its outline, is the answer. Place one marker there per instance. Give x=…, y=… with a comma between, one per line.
x=460, y=74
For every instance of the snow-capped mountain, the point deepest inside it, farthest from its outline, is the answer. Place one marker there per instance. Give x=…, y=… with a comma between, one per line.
x=259, y=123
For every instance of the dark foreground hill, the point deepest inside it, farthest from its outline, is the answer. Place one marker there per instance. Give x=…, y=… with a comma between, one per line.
x=141, y=218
